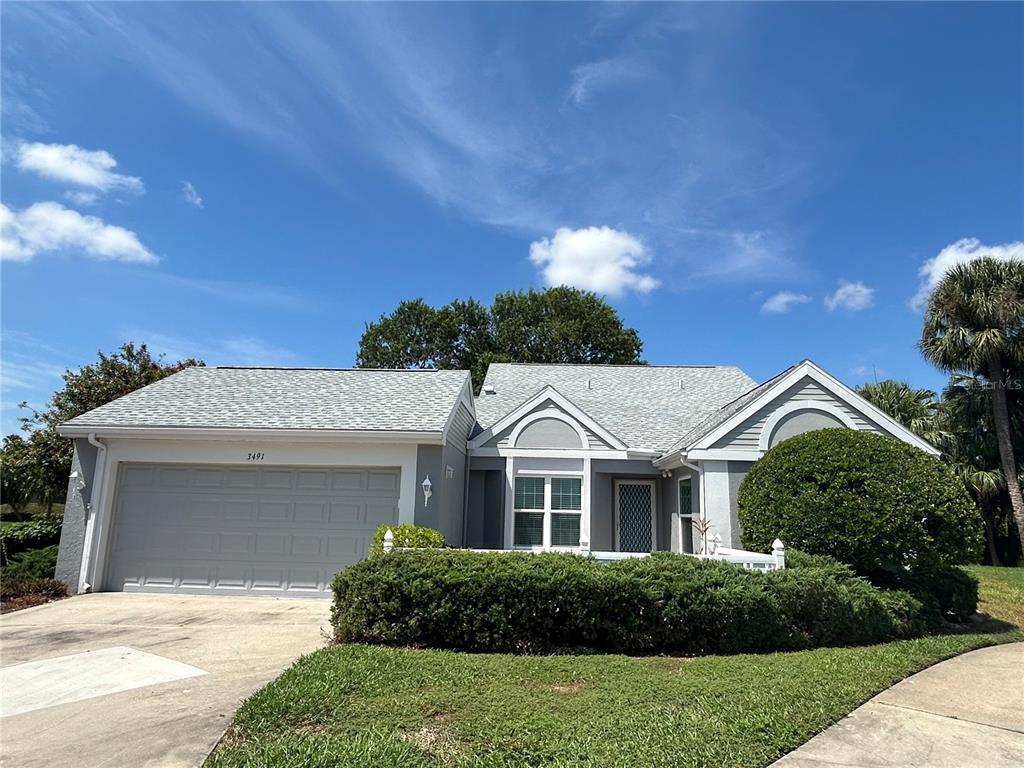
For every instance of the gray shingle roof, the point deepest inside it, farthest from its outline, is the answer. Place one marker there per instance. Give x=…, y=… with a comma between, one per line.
x=644, y=406
x=724, y=413
x=288, y=398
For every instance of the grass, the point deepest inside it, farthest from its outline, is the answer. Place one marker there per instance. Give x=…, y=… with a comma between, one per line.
x=371, y=707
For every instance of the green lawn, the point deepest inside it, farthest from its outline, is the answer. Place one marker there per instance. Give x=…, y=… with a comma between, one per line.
x=377, y=707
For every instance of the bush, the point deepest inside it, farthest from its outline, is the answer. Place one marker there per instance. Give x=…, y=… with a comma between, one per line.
x=20, y=537
x=408, y=536
x=871, y=501
x=539, y=603
x=947, y=593
x=32, y=564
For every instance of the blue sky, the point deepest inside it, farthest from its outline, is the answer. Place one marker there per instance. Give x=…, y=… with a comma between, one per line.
x=748, y=184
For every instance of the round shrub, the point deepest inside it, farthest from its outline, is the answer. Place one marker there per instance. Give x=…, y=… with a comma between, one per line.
x=408, y=537
x=874, y=502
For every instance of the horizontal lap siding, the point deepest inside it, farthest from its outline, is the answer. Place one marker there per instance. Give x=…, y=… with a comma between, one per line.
x=501, y=440
x=746, y=435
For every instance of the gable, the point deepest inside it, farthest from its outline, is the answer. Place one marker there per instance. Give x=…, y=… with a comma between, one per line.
x=547, y=425
x=796, y=410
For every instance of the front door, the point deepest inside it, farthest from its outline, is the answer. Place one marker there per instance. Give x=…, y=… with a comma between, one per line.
x=634, y=515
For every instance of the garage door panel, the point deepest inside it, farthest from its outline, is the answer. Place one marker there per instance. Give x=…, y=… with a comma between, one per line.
x=221, y=529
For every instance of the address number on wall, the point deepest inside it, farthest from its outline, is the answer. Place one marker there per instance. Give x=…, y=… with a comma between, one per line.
x=257, y=456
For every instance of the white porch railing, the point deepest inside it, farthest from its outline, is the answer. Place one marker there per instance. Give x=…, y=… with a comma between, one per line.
x=755, y=561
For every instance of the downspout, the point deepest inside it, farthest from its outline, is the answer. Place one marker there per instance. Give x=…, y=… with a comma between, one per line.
x=94, y=498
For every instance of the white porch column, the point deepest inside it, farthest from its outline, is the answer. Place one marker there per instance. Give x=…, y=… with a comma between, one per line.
x=510, y=495
x=585, y=541
x=714, y=501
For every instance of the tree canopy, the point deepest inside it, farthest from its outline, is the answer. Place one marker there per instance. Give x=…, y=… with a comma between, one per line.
x=42, y=461
x=557, y=325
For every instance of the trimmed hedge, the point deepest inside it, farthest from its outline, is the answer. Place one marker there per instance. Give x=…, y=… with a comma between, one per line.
x=12, y=589
x=541, y=603
x=871, y=501
x=16, y=538
x=407, y=536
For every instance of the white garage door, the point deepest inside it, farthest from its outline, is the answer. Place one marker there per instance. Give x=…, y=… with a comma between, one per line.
x=241, y=530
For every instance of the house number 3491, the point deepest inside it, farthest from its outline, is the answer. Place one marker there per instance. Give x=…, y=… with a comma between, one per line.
x=256, y=456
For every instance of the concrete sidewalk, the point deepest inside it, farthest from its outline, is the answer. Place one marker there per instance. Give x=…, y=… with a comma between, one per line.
x=965, y=712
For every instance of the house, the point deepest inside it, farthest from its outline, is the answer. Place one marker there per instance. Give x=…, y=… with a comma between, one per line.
x=267, y=481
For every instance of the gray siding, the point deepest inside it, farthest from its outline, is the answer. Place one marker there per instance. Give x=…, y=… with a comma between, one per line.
x=549, y=433
x=463, y=424
x=501, y=440
x=746, y=435
x=72, y=533
x=446, y=509
x=798, y=422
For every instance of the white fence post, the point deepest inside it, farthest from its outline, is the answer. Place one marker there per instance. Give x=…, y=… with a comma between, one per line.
x=389, y=540
x=779, y=553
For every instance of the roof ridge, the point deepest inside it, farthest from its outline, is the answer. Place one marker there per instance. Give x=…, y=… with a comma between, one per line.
x=316, y=368
x=620, y=365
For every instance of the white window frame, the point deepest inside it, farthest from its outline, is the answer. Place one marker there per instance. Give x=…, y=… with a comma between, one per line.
x=547, y=510
x=654, y=509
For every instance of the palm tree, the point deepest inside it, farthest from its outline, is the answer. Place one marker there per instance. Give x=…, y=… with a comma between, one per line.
x=919, y=410
x=973, y=452
x=974, y=323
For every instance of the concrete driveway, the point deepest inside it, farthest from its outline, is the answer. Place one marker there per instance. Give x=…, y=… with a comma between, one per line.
x=157, y=681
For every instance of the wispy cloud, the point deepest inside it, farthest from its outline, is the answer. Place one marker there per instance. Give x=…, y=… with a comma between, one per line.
x=232, y=350
x=69, y=163
x=595, y=76
x=450, y=105
x=50, y=227
x=782, y=302
x=192, y=197
x=275, y=296
x=599, y=259
x=961, y=252
x=851, y=296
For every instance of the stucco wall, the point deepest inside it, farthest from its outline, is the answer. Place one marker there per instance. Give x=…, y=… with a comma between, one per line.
x=72, y=533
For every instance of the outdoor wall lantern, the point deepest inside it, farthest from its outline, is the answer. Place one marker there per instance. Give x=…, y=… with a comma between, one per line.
x=77, y=481
x=427, y=492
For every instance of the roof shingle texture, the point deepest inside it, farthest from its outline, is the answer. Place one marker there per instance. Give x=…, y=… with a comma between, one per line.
x=644, y=406
x=288, y=398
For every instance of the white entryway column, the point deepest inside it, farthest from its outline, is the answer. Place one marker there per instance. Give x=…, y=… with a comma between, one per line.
x=510, y=494
x=585, y=541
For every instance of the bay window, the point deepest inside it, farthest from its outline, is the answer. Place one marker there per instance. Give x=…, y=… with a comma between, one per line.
x=547, y=511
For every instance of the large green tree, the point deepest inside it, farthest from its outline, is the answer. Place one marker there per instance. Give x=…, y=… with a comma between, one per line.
x=125, y=370
x=974, y=324
x=557, y=325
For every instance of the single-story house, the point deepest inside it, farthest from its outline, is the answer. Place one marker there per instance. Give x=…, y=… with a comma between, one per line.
x=269, y=480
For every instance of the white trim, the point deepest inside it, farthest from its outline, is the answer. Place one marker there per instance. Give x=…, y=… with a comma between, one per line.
x=547, y=511
x=585, y=519
x=556, y=453
x=552, y=472
x=510, y=502
x=552, y=413
x=724, y=454
x=654, y=509
x=431, y=437
x=552, y=394
x=829, y=383
x=795, y=406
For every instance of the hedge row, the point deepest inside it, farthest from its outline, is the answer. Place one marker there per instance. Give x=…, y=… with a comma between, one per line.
x=540, y=603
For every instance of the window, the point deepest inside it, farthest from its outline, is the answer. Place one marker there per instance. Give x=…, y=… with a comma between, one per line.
x=686, y=513
x=547, y=511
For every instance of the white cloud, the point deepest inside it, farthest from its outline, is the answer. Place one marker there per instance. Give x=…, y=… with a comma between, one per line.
x=596, y=75
x=92, y=168
x=960, y=252
x=782, y=302
x=852, y=296
x=49, y=227
x=82, y=198
x=599, y=259
x=192, y=197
